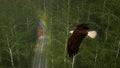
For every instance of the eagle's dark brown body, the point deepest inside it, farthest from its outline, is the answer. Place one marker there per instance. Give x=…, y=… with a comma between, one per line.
x=76, y=38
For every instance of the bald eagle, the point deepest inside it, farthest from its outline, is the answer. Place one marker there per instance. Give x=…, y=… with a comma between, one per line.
x=74, y=41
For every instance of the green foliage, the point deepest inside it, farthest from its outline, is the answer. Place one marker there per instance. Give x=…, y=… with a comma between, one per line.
x=18, y=33
x=103, y=16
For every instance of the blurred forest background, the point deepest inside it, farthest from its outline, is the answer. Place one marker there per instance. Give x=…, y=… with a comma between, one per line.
x=18, y=32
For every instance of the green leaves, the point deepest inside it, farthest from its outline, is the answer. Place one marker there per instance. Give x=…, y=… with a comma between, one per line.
x=102, y=17
x=18, y=34
x=60, y=16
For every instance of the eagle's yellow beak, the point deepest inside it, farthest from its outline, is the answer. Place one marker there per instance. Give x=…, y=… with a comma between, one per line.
x=92, y=34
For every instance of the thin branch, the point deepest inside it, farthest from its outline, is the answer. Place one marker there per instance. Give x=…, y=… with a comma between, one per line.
x=96, y=55
x=89, y=12
x=58, y=41
x=104, y=5
x=117, y=54
x=106, y=32
x=10, y=51
x=44, y=9
x=73, y=62
x=51, y=37
x=118, y=50
x=78, y=18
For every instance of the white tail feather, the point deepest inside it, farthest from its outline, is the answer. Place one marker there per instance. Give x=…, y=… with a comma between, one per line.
x=71, y=31
x=92, y=34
